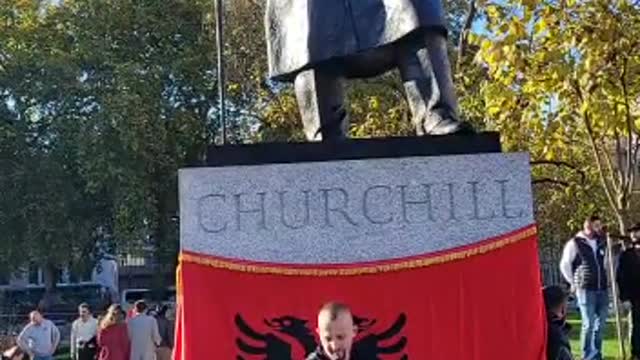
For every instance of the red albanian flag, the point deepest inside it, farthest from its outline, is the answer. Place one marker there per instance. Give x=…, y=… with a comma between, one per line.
x=477, y=302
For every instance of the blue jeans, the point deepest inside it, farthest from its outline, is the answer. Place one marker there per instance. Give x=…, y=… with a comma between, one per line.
x=49, y=357
x=594, y=309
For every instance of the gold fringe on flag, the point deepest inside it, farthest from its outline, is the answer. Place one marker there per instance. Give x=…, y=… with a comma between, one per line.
x=292, y=270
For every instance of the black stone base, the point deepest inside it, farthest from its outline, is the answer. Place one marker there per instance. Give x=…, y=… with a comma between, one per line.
x=270, y=153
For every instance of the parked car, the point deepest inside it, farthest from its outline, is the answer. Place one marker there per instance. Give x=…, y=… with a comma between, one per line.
x=153, y=297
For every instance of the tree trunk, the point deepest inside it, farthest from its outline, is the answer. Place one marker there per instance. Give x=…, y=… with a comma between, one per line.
x=622, y=223
x=50, y=275
x=622, y=211
x=463, y=42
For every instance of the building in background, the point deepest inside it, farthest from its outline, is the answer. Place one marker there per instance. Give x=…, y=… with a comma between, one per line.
x=115, y=273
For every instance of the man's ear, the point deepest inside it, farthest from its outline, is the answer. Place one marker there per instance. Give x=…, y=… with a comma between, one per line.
x=318, y=331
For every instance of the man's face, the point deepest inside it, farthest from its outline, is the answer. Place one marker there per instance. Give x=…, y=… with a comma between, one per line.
x=36, y=318
x=84, y=313
x=593, y=228
x=635, y=236
x=336, y=336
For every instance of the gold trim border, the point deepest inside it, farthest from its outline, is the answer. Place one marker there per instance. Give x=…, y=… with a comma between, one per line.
x=362, y=270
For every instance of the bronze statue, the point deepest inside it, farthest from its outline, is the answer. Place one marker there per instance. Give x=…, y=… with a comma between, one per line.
x=317, y=44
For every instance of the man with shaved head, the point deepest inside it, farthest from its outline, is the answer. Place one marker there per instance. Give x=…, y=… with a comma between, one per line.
x=336, y=331
x=40, y=338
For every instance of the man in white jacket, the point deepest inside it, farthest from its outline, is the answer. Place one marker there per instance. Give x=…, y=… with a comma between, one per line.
x=583, y=267
x=83, y=335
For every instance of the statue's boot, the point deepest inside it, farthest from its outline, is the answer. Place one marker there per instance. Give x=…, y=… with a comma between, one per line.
x=320, y=96
x=436, y=119
x=428, y=84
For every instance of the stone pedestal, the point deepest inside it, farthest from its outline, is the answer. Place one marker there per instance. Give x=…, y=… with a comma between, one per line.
x=352, y=202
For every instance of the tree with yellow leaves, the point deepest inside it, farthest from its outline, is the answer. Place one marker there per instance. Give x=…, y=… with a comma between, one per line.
x=563, y=82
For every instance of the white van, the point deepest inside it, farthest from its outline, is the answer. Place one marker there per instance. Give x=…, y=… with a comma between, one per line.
x=166, y=296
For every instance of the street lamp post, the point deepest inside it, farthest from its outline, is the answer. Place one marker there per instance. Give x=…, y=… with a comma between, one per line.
x=220, y=67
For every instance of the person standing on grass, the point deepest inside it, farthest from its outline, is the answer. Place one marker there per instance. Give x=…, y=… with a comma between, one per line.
x=628, y=279
x=143, y=333
x=583, y=267
x=558, y=345
x=40, y=338
x=166, y=329
x=83, y=335
x=113, y=339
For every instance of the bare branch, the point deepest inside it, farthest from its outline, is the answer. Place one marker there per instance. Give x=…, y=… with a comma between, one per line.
x=636, y=146
x=463, y=42
x=596, y=153
x=616, y=175
x=583, y=176
x=630, y=173
x=619, y=170
x=618, y=149
x=550, y=181
x=553, y=162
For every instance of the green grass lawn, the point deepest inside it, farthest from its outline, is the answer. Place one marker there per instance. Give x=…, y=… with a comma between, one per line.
x=610, y=345
x=62, y=354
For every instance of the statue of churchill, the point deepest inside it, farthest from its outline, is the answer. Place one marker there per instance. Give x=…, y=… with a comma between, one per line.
x=318, y=44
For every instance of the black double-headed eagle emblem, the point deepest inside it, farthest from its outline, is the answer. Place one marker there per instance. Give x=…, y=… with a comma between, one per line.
x=273, y=346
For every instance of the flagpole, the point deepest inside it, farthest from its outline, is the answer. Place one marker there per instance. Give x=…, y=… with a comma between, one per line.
x=220, y=64
x=616, y=303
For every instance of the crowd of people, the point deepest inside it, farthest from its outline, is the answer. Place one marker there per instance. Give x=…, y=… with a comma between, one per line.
x=145, y=335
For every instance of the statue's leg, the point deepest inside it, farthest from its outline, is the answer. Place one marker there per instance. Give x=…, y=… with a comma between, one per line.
x=426, y=72
x=320, y=98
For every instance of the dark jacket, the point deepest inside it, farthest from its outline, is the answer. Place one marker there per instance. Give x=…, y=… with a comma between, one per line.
x=320, y=355
x=316, y=355
x=165, y=328
x=558, y=346
x=628, y=274
x=589, y=271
